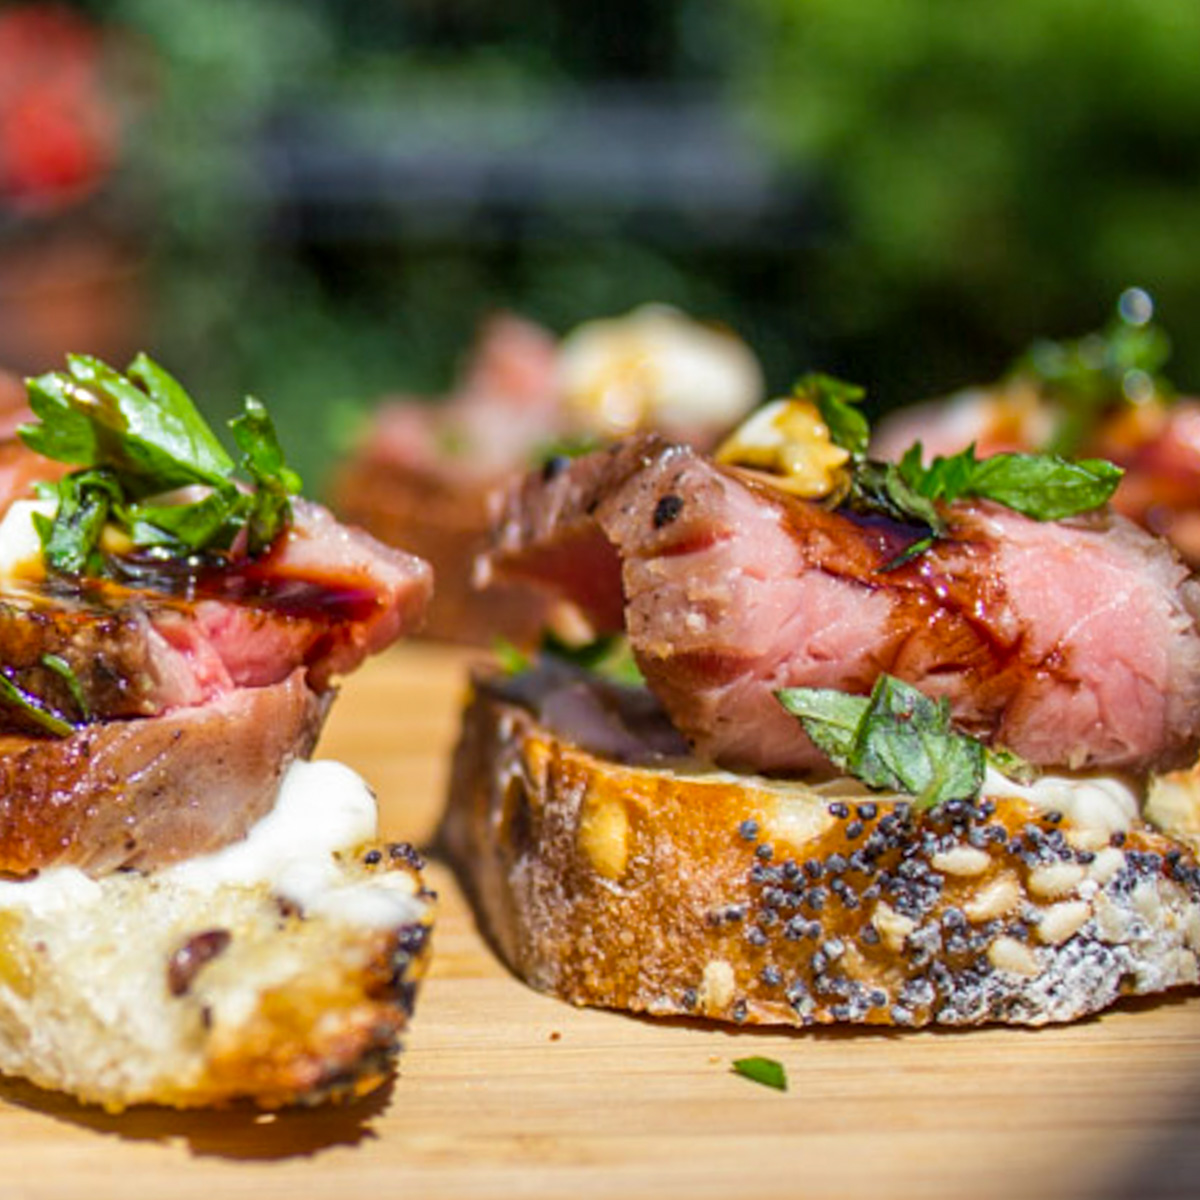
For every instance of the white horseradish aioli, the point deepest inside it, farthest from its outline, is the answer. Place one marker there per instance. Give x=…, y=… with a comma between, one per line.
x=1100, y=804
x=322, y=808
x=20, y=546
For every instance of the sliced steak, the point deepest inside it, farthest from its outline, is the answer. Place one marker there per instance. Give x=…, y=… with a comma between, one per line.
x=144, y=793
x=1073, y=643
x=175, y=634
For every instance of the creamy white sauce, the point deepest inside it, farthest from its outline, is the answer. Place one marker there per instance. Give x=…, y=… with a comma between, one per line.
x=322, y=808
x=657, y=366
x=20, y=546
x=1101, y=803
x=51, y=893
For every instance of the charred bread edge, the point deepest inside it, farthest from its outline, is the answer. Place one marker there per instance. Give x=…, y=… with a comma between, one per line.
x=755, y=902
x=156, y=995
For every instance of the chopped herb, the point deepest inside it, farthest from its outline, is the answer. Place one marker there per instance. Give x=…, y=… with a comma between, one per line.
x=512, y=659
x=34, y=707
x=137, y=438
x=897, y=739
x=836, y=401
x=1042, y=486
x=63, y=670
x=609, y=656
x=1118, y=365
x=767, y=1071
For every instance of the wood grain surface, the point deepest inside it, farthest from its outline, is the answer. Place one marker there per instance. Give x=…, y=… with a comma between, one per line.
x=505, y=1093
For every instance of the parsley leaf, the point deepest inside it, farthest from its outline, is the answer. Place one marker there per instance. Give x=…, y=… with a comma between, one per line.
x=1042, y=486
x=836, y=401
x=767, y=1071
x=897, y=739
x=138, y=438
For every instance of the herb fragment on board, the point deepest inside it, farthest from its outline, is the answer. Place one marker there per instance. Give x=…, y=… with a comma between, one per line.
x=139, y=439
x=767, y=1071
x=896, y=739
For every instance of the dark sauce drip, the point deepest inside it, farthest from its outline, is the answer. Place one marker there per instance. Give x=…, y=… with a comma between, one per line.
x=252, y=582
x=949, y=587
x=891, y=538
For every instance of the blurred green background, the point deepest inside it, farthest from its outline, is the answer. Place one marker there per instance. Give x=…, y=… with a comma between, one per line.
x=317, y=201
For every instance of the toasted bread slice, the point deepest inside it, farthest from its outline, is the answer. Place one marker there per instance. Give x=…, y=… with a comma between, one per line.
x=680, y=891
x=136, y=989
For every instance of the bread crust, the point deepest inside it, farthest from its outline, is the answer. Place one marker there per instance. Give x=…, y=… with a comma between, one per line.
x=758, y=902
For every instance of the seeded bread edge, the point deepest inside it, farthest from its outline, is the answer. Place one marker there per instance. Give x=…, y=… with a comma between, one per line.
x=678, y=892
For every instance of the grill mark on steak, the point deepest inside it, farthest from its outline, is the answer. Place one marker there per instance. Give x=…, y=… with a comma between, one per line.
x=1074, y=643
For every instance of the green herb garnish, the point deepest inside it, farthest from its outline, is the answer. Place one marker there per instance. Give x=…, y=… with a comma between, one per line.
x=137, y=438
x=837, y=401
x=896, y=739
x=43, y=715
x=1118, y=365
x=511, y=659
x=608, y=656
x=64, y=671
x=767, y=1071
x=1042, y=486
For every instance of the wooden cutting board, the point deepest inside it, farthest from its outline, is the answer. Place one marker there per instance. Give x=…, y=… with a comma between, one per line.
x=505, y=1093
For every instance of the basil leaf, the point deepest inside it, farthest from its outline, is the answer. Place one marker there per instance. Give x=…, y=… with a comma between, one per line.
x=836, y=400
x=906, y=742
x=882, y=489
x=831, y=718
x=1045, y=487
x=767, y=1071
x=174, y=423
x=212, y=521
x=1042, y=486
x=92, y=415
x=944, y=479
x=897, y=739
